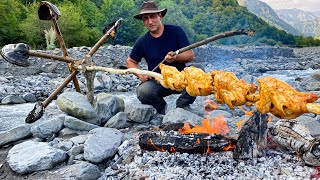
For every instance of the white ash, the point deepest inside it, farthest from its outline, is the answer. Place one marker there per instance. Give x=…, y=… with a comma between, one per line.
x=216, y=165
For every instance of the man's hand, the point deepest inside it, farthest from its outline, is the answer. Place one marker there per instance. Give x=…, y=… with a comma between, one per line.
x=144, y=78
x=170, y=57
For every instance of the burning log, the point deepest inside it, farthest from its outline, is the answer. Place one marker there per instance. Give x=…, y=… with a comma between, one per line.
x=253, y=137
x=295, y=137
x=172, y=141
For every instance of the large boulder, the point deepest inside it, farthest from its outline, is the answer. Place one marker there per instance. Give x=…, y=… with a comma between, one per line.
x=107, y=106
x=76, y=105
x=140, y=113
x=15, y=134
x=102, y=144
x=33, y=156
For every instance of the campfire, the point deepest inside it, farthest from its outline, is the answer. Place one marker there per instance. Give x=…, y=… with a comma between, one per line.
x=252, y=141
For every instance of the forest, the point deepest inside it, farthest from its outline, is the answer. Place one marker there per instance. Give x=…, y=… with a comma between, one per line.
x=82, y=21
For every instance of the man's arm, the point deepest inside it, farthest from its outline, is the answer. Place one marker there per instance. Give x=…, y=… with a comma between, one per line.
x=130, y=63
x=184, y=57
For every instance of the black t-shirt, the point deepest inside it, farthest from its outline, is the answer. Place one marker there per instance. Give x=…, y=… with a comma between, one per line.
x=155, y=49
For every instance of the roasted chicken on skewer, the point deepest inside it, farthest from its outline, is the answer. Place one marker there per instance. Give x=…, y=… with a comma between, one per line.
x=282, y=100
x=196, y=82
x=274, y=95
x=230, y=90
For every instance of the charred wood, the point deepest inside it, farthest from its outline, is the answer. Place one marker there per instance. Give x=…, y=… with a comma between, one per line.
x=296, y=137
x=173, y=141
x=252, y=138
x=173, y=126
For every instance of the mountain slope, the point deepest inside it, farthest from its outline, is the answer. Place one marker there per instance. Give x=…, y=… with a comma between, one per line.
x=265, y=12
x=306, y=22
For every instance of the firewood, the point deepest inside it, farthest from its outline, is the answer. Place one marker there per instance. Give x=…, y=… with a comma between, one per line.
x=296, y=137
x=173, y=141
x=252, y=138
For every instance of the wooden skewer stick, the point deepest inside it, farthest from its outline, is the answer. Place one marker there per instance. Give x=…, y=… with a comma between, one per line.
x=313, y=108
x=121, y=71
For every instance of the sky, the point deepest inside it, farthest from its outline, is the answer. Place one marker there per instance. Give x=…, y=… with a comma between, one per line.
x=306, y=5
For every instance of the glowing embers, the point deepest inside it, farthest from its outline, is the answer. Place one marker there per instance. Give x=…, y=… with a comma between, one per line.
x=217, y=126
x=156, y=147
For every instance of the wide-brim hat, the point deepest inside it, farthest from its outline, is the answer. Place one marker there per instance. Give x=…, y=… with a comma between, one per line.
x=150, y=7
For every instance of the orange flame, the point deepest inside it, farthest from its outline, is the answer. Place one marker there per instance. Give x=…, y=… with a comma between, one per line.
x=157, y=148
x=240, y=123
x=198, y=141
x=210, y=105
x=217, y=126
x=172, y=150
x=229, y=147
x=208, y=148
x=269, y=119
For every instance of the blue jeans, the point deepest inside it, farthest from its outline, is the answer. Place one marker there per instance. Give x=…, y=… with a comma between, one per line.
x=152, y=93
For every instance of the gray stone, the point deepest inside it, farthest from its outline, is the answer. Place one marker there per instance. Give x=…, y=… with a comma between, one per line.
x=33, y=156
x=107, y=106
x=80, y=171
x=76, y=104
x=118, y=121
x=140, y=113
x=47, y=129
x=179, y=115
x=311, y=123
x=15, y=134
x=216, y=113
x=71, y=132
x=77, y=124
x=316, y=75
x=63, y=144
x=75, y=150
x=102, y=144
x=13, y=99
x=29, y=97
x=79, y=139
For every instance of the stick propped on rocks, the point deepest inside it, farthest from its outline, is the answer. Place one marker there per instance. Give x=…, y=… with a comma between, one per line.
x=121, y=71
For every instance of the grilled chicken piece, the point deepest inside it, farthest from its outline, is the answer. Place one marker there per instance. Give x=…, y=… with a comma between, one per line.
x=230, y=90
x=282, y=100
x=196, y=82
x=171, y=78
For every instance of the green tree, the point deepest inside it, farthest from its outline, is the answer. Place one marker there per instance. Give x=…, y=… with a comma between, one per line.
x=10, y=14
x=131, y=29
x=74, y=27
x=90, y=13
x=175, y=16
x=32, y=29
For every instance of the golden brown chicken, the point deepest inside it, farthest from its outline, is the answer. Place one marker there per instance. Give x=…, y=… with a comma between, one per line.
x=171, y=78
x=196, y=81
x=230, y=90
x=282, y=100
x=274, y=95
